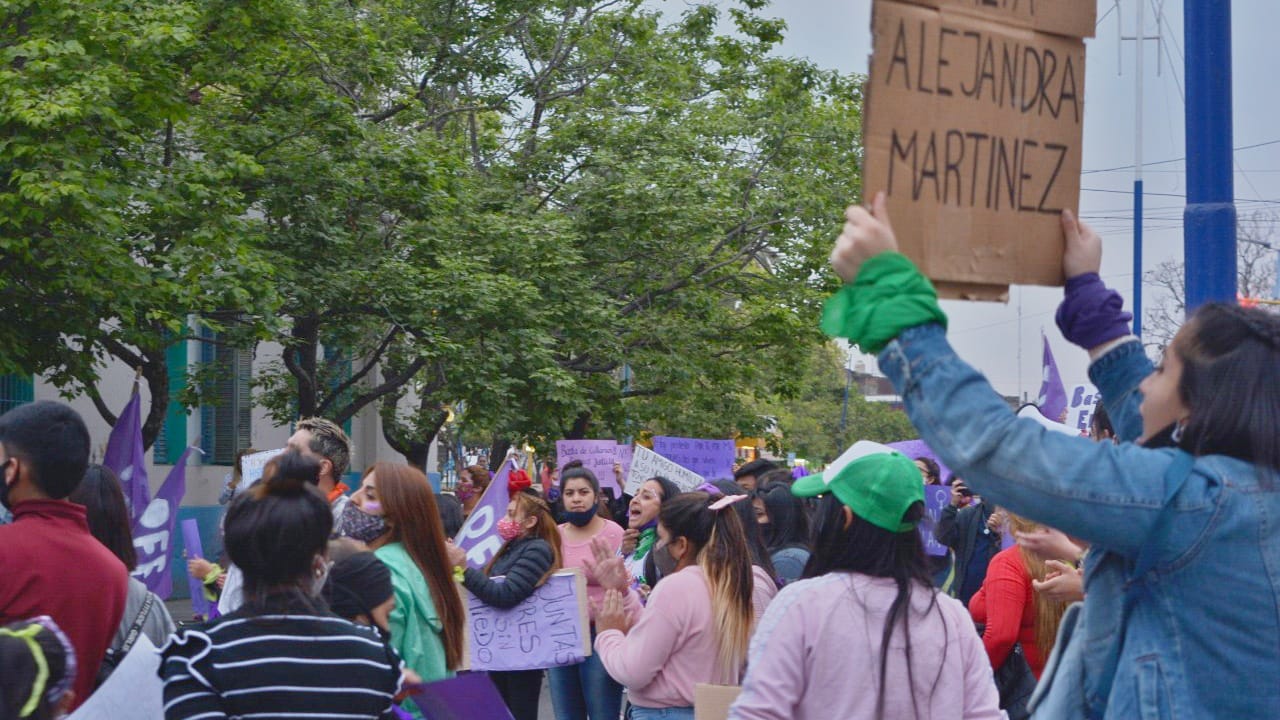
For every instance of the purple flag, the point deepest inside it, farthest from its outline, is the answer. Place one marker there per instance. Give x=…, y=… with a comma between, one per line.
x=471, y=695
x=153, y=532
x=479, y=534
x=1053, y=396
x=126, y=459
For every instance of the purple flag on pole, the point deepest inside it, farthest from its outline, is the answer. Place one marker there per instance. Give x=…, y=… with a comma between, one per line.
x=479, y=534
x=126, y=459
x=153, y=532
x=1053, y=396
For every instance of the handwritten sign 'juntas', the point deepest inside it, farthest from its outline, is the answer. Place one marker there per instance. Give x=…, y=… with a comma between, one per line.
x=549, y=629
x=973, y=123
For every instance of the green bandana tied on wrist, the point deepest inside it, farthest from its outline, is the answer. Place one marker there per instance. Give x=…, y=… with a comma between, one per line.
x=888, y=296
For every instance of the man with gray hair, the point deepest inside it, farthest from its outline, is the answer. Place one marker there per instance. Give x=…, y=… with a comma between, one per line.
x=323, y=440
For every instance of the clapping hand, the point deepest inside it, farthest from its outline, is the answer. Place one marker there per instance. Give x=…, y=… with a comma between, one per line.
x=606, y=568
x=1062, y=583
x=611, y=614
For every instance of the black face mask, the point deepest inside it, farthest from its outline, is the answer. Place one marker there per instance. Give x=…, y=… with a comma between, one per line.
x=1162, y=439
x=580, y=518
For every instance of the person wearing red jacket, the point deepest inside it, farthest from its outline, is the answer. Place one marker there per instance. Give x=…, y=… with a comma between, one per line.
x=1009, y=608
x=51, y=564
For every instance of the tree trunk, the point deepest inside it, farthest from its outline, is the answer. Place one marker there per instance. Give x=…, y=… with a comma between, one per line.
x=414, y=444
x=581, y=425
x=498, y=453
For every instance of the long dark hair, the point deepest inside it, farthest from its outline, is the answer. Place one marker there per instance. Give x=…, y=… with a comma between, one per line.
x=1229, y=358
x=669, y=492
x=788, y=521
x=750, y=526
x=870, y=550
x=103, y=500
x=721, y=551
x=409, y=505
x=275, y=530
x=575, y=470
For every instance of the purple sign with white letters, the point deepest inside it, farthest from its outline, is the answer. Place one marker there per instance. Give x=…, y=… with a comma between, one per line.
x=712, y=459
x=479, y=534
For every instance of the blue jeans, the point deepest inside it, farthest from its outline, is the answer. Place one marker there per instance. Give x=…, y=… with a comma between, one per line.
x=671, y=713
x=585, y=690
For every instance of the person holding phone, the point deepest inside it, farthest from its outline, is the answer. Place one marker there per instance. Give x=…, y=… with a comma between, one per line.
x=965, y=526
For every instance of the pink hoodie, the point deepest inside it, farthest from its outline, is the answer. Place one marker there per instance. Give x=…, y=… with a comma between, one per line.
x=816, y=655
x=673, y=646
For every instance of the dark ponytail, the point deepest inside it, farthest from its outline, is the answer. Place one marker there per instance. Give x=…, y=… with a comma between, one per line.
x=870, y=550
x=275, y=530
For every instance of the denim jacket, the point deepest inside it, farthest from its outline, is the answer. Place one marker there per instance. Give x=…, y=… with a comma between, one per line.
x=1204, y=639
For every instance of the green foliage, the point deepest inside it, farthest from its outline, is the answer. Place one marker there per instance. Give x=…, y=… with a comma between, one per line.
x=557, y=219
x=809, y=421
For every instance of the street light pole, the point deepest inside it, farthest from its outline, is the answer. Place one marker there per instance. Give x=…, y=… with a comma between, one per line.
x=1209, y=234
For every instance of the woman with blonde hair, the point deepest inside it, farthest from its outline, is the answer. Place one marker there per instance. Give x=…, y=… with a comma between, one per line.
x=1010, y=610
x=528, y=557
x=394, y=513
x=698, y=621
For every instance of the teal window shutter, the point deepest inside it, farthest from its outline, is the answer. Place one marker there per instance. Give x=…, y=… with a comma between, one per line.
x=342, y=372
x=172, y=439
x=15, y=390
x=226, y=414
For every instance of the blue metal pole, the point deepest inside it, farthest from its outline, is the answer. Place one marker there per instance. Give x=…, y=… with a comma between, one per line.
x=1137, y=258
x=1209, y=234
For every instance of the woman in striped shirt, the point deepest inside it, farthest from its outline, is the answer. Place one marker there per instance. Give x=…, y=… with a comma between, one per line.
x=282, y=654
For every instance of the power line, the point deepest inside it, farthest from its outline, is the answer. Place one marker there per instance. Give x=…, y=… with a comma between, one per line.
x=1175, y=160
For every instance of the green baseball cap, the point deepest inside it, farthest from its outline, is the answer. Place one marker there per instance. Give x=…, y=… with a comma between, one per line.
x=875, y=481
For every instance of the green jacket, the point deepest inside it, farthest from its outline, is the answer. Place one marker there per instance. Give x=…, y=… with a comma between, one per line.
x=415, y=625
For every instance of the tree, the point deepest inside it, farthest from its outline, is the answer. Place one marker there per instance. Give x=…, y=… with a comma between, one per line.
x=118, y=223
x=816, y=424
x=1256, y=260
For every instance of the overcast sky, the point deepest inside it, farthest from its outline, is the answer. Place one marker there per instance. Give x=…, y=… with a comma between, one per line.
x=836, y=34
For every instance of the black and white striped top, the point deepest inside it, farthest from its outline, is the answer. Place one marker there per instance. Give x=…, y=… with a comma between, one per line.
x=279, y=666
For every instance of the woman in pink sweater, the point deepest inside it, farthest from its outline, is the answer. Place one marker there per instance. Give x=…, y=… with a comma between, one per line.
x=866, y=635
x=697, y=623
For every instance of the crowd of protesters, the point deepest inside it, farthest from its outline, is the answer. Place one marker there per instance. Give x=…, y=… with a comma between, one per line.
x=1141, y=581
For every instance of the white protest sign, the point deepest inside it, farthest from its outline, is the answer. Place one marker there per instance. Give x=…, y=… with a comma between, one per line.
x=133, y=691
x=251, y=467
x=1081, y=402
x=549, y=629
x=646, y=464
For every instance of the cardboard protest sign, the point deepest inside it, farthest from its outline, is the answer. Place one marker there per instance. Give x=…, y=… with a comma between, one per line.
x=549, y=629
x=625, y=452
x=712, y=702
x=1082, y=400
x=479, y=533
x=973, y=123
x=712, y=459
x=467, y=696
x=646, y=464
x=598, y=456
x=134, y=690
x=936, y=499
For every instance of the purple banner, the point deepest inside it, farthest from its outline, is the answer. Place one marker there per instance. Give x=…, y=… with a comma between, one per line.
x=467, y=696
x=479, y=533
x=127, y=459
x=712, y=459
x=916, y=449
x=598, y=456
x=936, y=498
x=153, y=532
x=200, y=605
